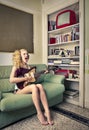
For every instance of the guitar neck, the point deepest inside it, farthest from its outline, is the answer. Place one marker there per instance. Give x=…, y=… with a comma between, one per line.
x=39, y=73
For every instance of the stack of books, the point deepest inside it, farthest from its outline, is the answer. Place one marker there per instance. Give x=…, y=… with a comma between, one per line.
x=71, y=93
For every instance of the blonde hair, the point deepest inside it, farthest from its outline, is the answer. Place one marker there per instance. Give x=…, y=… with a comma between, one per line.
x=17, y=60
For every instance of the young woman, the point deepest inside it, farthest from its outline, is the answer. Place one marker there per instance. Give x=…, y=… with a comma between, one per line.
x=20, y=67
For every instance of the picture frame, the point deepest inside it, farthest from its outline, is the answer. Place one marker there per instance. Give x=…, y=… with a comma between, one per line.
x=56, y=51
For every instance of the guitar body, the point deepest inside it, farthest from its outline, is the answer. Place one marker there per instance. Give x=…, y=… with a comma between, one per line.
x=32, y=73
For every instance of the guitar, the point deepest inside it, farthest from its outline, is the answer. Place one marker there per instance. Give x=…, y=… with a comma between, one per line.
x=32, y=73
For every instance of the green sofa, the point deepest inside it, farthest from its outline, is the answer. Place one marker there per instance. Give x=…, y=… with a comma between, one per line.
x=15, y=107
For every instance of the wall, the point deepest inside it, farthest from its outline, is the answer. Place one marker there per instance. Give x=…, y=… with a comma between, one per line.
x=86, y=54
x=34, y=7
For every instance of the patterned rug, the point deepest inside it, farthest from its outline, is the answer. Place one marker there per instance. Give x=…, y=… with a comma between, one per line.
x=72, y=115
x=61, y=122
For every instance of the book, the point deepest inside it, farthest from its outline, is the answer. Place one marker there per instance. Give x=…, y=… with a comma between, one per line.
x=71, y=92
x=71, y=96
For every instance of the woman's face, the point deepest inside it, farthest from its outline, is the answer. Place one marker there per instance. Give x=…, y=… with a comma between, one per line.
x=24, y=55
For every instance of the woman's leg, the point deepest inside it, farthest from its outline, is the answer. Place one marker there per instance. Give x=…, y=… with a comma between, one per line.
x=36, y=99
x=45, y=103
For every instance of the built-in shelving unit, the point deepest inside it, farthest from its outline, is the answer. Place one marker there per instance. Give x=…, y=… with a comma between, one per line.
x=64, y=53
x=73, y=48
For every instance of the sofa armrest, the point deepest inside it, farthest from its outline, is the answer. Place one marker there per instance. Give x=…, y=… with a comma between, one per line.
x=54, y=78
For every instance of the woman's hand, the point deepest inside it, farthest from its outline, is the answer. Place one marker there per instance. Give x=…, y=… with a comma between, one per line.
x=46, y=71
x=28, y=78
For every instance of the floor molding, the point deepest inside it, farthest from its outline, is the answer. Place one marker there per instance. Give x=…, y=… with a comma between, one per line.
x=72, y=115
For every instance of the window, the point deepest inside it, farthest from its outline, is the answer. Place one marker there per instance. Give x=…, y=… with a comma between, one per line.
x=16, y=30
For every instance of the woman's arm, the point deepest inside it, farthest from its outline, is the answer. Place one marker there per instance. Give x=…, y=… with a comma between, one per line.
x=14, y=79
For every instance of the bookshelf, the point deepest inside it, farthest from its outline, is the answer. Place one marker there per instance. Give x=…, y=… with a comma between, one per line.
x=64, y=54
x=54, y=60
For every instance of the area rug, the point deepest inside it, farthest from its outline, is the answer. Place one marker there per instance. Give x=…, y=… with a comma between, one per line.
x=72, y=115
x=61, y=122
x=74, y=108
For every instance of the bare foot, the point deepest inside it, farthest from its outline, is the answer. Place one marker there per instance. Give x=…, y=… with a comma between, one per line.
x=42, y=119
x=48, y=116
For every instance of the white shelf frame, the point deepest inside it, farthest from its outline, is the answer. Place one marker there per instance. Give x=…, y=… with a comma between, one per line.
x=74, y=80
x=63, y=43
x=62, y=30
x=45, y=14
x=58, y=57
x=63, y=65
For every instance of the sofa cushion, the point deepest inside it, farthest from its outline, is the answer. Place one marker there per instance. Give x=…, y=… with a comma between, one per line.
x=53, y=90
x=13, y=101
x=6, y=86
x=54, y=78
x=5, y=71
